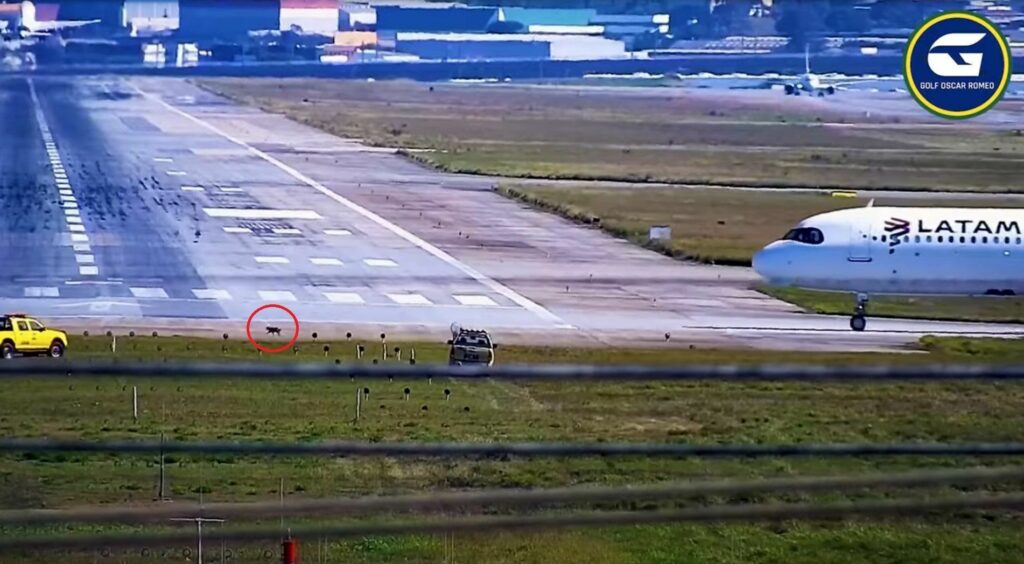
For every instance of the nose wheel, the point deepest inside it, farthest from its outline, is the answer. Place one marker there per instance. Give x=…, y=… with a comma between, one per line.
x=859, y=321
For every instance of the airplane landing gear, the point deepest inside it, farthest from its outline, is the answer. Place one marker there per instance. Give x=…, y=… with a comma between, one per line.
x=859, y=321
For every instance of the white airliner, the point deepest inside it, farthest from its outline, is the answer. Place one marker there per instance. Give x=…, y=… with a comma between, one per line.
x=889, y=250
x=28, y=26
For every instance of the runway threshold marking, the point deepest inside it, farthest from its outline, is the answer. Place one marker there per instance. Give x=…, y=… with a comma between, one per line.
x=67, y=194
x=437, y=253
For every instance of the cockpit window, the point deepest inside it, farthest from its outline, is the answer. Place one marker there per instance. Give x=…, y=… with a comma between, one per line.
x=809, y=235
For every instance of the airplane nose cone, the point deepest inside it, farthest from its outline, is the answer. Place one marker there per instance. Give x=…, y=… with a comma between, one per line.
x=768, y=263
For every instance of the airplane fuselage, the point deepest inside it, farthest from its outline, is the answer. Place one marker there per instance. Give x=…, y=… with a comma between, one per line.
x=957, y=251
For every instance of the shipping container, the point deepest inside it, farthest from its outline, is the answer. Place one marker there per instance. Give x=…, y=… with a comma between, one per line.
x=228, y=19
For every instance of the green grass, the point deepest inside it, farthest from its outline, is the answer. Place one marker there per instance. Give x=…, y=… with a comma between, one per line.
x=635, y=135
x=703, y=412
x=992, y=309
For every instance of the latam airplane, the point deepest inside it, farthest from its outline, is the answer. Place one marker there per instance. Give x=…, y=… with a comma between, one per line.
x=890, y=250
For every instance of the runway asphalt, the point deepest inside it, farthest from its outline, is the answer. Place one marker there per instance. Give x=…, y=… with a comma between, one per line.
x=146, y=203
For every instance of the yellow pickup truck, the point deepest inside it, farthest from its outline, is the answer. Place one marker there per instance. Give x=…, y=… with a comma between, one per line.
x=20, y=334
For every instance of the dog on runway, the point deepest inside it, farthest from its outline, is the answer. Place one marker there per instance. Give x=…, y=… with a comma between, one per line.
x=273, y=330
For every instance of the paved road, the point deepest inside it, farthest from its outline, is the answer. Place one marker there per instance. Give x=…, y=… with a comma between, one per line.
x=147, y=203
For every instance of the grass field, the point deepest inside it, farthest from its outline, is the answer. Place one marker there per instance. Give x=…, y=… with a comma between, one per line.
x=636, y=135
x=704, y=412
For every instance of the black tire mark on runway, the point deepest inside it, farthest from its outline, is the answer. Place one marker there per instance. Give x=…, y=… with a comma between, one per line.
x=31, y=223
x=128, y=215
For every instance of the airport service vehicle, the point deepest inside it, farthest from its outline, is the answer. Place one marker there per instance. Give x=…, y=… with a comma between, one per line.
x=470, y=346
x=21, y=334
x=901, y=250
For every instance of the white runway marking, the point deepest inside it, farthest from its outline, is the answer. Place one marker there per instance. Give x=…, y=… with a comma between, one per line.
x=495, y=286
x=66, y=192
x=384, y=263
x=277, y=296
x=231, y=189
x=474, y=300
x=237, y=230
x=240, y=213
x=288, y=231
x=337, y=232
x=67, y=198
x=82, y=248
x=344, y=297
x=77, y=228
x=72, y=212
x=73, y=219
x=88, y=270
x=176, y=173
x=70, y=204
x=193, y=188
x=42, y=292
x=208, y=294
x=272, y=260
x=326, y=261
x=163, y=160
x=409, y=299
x=80, y=237
x=85, y=259
x=150, y=293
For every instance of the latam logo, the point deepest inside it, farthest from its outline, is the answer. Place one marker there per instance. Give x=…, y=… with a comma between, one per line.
x=947, y=58
x=896, y=228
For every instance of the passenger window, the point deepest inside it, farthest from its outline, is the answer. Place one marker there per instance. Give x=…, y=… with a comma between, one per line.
x=35, y=326
x=963, y=239
x=929, y=239
x=917, y=238
x=22, y=326
x=940, y=238
x=883, y=238
x=984, y=239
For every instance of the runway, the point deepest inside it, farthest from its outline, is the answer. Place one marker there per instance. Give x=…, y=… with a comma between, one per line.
x=147, y=203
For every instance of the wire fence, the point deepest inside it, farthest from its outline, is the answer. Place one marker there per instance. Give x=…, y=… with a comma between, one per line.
x=570, y=373
x=545, y=449
x=513, y=497
x=712, y=514
x=530, y=500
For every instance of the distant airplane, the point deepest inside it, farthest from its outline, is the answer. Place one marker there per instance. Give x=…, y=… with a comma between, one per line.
x=27, y=25
x=901, y=250
x=812, y=83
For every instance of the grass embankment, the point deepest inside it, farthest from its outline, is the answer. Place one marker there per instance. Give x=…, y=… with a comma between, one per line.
x=749, y=139
x=708, y=412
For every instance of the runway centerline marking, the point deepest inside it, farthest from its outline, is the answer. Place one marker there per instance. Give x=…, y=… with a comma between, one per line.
x=42, y=292
x=85, y=259
x=474, y=300
x=242, y=213
x=209, y=294
x=80, y=237
x=82, y=248
x=193, y=189
x=326, y=262
x=495, y=286
x=88, y=270
x=337, y=232
x=409, y=299
x=286, y=231
x=272, y=260
x=276, y=295
x=151, y=293
x=382, y=263
x=237, y=230
x=344, y=297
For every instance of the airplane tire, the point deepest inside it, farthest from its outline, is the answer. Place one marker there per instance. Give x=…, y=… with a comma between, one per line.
x=7, y=351
x=858, y=322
